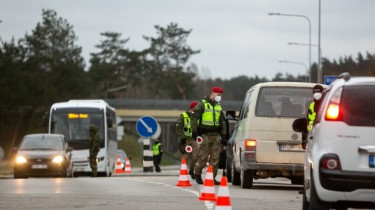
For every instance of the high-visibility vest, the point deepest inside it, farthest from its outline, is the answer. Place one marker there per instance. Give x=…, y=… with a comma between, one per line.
x=187, y=126
x=155, y=148
x=211, y=114
x=311, y=115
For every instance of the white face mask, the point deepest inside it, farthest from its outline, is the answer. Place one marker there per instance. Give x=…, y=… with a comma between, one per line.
x=317, y=96
x=218, y=98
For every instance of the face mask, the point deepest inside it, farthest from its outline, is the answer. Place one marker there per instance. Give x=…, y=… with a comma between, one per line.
x=218, y=98
x=317, y=96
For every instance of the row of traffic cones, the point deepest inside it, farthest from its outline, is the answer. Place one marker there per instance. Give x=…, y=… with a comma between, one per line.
x=208, y=191
x=119, y=169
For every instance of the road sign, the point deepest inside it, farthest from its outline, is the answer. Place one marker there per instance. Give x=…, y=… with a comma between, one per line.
x=146, y=126
x=329, y=79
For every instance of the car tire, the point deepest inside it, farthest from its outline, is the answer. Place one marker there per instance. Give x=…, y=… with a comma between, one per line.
x=247, y=179
x=305, y=204
x=315, y=202
x=236, y=177
x=229, y=170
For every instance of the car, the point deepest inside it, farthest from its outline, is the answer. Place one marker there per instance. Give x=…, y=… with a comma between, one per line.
x=339, y=160
x=264, y=144
x=43, y=155
x=122, y=157
x=229, y=154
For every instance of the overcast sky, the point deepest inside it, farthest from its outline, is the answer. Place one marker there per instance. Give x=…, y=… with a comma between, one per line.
x=235, y=37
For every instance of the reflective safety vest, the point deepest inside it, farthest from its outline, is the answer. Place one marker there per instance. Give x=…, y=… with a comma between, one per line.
x=155, y=148
x=311, y=116
x=211, y=114
x=187, y=126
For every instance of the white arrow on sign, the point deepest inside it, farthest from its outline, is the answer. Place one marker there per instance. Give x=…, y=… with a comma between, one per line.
x=146, y=126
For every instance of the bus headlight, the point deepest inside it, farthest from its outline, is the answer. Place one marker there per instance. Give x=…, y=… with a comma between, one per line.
x=20, y=160
x=58, y=159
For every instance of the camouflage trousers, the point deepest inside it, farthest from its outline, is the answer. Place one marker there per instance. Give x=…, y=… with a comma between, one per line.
x=210, y=148
x=192, y=157
x=93, y=165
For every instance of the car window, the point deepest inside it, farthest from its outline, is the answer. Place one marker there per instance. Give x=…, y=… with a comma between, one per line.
x=42, y=143
x=357, y=105
x=245, y=106
x=290, y=102
x=233, y=135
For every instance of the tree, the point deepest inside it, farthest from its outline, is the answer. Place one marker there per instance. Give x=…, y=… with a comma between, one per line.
x=169, y=53
x=55, y=61
x=114, y=67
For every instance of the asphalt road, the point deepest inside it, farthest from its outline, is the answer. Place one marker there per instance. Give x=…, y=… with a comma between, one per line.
x=139, y=191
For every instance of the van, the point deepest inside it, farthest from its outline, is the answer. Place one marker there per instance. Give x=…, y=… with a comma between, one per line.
x=265, y=144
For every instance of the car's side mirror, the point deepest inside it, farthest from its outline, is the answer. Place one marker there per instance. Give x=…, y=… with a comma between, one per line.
x=69, y=149
x=300, y=125
x=109, y=123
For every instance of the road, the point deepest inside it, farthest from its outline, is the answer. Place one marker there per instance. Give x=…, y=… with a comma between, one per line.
x=138, y=192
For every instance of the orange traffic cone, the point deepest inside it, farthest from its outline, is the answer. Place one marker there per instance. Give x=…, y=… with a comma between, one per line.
x=183, y=180
x=118, y=169
x=128, y=168
x=208, y=192
x=223, y=200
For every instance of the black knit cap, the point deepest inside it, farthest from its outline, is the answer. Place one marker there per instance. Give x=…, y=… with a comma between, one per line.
x=317, y=88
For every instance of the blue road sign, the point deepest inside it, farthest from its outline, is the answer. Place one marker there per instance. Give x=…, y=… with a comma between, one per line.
x=329, y=79
x=146, y=126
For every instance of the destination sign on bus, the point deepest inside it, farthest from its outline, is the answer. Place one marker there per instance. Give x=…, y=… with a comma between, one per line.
x=77, y=116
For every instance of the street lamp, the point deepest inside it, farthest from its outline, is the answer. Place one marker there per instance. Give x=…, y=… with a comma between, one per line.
x=308, y=20
x=294, y=62
x=319, y=54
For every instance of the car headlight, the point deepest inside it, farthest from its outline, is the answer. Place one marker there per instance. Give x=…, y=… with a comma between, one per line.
x=58, y=159
x=20, y=159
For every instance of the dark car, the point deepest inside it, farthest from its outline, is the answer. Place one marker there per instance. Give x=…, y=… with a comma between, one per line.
x=43, y=155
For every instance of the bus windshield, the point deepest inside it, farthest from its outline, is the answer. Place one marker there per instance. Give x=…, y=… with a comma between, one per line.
x=74, y=125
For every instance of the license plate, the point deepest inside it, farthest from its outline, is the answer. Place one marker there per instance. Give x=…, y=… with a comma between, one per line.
x=290, y=147
x=78, y=169
x=38, y=166
x=372, y=161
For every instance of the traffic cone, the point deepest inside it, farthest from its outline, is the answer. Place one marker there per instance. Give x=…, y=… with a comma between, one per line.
x=118, y=169
x=128, y=168
x=208, y=191
x=183, y=180
x=223, y=199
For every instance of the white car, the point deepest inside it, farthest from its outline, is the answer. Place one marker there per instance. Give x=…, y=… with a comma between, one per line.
x=339, y=166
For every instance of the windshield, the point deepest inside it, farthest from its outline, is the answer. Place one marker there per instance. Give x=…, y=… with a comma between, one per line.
x=42, y=143
x=290, y=102
x=74, y=125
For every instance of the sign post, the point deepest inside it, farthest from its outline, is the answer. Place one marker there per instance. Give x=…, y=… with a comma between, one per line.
x=329, y=79
x=147, y=127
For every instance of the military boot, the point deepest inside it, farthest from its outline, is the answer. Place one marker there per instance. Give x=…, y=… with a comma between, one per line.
x=198, y=179
x=191, y=173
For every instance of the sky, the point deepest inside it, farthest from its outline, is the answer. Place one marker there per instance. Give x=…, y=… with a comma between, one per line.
x=235, y=37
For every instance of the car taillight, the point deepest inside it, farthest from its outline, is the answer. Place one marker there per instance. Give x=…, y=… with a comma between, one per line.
x=250, y=145
x=331, y=162
x=334, y=111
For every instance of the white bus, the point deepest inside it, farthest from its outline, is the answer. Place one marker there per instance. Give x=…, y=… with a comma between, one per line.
x=72, y=119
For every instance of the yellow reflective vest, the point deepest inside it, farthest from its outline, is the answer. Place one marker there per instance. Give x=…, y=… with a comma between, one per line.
x=211, y=114
x=187, y=126
x=155, y=148
x=311, y=116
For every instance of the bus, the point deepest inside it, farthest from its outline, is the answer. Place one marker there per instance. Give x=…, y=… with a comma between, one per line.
x=73, y=118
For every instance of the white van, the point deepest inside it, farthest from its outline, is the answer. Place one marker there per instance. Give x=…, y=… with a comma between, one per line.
x=265, y=144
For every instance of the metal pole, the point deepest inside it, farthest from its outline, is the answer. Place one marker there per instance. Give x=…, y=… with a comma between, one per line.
x=294, y=62
x=319, y=52
x=308, y=20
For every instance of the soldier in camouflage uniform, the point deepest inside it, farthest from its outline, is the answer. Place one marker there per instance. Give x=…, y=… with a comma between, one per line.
x=208, y=122
x=94, y=146
x=185, y=137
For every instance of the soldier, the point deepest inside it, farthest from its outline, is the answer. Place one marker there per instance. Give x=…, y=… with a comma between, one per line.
x=94, y=146
x=157, y=150
x=185, y=136
x=208, y=122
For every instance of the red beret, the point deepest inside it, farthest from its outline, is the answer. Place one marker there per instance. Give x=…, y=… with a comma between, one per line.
x=193, y=104
x=217, y=90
